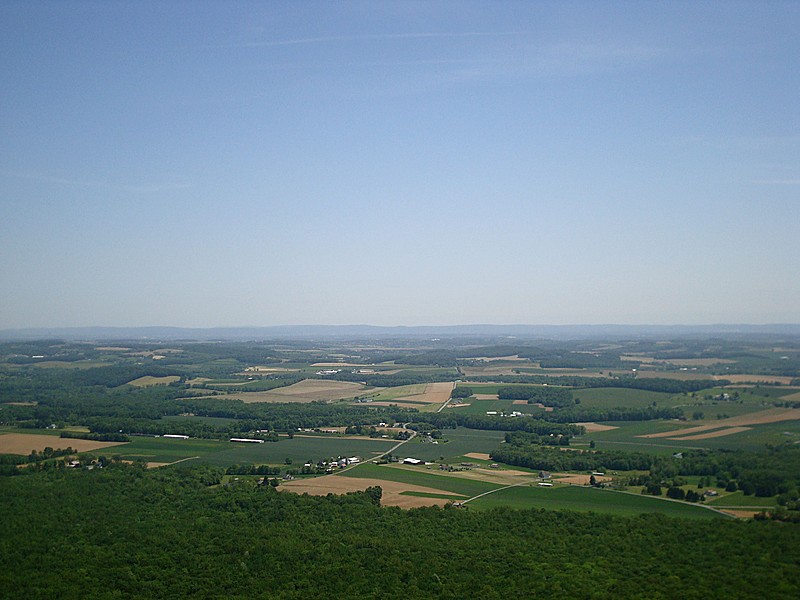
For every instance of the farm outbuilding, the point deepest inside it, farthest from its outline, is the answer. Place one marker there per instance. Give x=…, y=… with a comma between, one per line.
x=413, y=461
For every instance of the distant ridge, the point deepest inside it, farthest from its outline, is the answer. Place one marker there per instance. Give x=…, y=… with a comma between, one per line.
x=369, y=331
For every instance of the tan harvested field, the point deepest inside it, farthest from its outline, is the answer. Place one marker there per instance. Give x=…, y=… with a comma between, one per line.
x=267, y=370
x=741, y=514
x=149, y=380
x=593, y=427
x=519, y=402
x=577, y=479
x=21, y=403
x=773, y=415
x=498, y=476
x=197, y=380
x=493, y=397
x=478, y=455
x=307, y=390
x=435, y=393
x=392, y=496
x=637, y=358
x=752, y=378
x=713, y=434
x=23, y=443
x=795, y=396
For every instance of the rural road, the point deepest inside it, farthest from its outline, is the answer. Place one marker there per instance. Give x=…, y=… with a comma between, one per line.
x=496, y=490
x=389, y=451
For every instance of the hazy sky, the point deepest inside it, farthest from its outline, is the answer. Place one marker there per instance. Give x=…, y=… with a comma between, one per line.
x=221, y=164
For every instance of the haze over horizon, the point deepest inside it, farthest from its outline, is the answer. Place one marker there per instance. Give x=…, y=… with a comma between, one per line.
x=399, y=163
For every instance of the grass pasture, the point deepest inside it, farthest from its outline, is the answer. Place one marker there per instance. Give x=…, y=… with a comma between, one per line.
x=300, y=449
x=166, y=450
x=481, y=407
x=624, y=397
x=581, y=498
x=459, y=442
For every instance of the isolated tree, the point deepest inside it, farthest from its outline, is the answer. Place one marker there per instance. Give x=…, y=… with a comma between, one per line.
x=375, y=493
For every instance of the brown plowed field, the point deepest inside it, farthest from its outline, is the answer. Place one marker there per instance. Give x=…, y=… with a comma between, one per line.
x=333, y=484
x=713, y=434
x=577, y=479
x=592, y=427
x=307, y=390
x=23, y=443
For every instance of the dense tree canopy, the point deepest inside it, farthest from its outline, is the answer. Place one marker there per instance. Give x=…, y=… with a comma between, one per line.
x=125, y=532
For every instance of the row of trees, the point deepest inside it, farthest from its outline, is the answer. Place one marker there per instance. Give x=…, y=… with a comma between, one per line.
x=546, y=396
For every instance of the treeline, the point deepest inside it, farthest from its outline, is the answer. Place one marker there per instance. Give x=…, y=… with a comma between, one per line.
x=242, y=540
x=377, y=380
x=546, y=396
x=653, y=384
x=250, y=469
x=140, y=410
x=527, y=452
x=770, y=472
x=773, y=471
x=579, y=414
x=97, y=437
x=452, y=420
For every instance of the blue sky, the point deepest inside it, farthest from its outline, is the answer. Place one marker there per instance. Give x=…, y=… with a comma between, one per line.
x=223, y=164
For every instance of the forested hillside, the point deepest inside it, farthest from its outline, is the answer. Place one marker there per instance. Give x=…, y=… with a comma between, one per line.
x=102, y=534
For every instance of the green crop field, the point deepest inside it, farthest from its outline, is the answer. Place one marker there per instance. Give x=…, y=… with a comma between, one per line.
x=300, y=449
x=625, y=437
x=481, y=407
x=459, y=442
x=391, y=393
x=223, y=453
x=617, y=397
x=165, y=450
x=738, y=499
x=589, y=499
